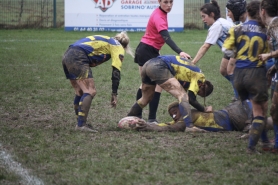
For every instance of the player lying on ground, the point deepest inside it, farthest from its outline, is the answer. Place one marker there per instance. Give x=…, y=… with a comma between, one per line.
x=233, y=117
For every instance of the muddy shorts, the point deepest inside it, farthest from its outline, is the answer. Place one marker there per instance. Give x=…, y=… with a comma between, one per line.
x=238, y=114
x=155, y=71
x=251, y=83
x=76, y=64
x=145, y=52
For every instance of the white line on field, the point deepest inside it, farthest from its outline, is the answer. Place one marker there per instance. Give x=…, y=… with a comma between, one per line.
x=15, y=167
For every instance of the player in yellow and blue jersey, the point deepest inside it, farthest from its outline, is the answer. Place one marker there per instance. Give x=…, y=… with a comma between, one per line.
x=175, y=75
x=245, y=42
x=233, y=117
x=91, y=52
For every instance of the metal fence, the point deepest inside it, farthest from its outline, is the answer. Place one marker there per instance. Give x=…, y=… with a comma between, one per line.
x=50, y=13
x=31, y=13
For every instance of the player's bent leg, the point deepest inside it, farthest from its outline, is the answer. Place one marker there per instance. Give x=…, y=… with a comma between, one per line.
x=173, y=86
x=78, y=94
x=258, y=124
x=88, y=88
x=147, y=94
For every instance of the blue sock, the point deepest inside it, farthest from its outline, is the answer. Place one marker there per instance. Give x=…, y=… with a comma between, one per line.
x=81, y=114
x=275, y=127
x=186, y=117
x=255, y=131
x=76, y=104
x=264, y=137
x=227, y=77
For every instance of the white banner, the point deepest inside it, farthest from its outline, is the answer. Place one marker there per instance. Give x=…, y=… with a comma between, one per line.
x=118, y=15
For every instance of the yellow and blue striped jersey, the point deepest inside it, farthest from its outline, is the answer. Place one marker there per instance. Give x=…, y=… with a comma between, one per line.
x=248, y=40
x=186, y=73
x=100, y=48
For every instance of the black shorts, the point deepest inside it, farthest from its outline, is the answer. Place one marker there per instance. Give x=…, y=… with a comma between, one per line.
x=76, y=64
x=145, y=52
x=155, y=71
x=251, y=83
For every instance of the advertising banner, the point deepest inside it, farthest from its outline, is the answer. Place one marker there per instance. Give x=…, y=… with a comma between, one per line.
x=118, y=15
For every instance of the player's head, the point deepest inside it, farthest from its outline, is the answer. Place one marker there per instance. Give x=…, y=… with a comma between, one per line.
x=173, y=110
x=124, y=40
x=205, y=88
x=268, y=7
x=166, y=5
x=237, y=7
x=253, y=10
x=210, y=10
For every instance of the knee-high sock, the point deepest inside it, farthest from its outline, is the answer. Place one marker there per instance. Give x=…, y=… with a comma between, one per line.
x=185, y=111
x=153, y=105
x=231, y=79
x=84, y=107
x=256, y=131
x=275, y=126
x=138, y=96
x=76, y=105
x=136, y=110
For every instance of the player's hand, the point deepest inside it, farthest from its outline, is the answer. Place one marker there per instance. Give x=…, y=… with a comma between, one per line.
x=264, y=56
x=208, y=109
x=142, y=125
x=114, y=100
x=185, y=55
x=194, y=129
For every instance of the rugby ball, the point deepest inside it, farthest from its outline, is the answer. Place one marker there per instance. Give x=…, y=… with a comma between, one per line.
x=128, y=122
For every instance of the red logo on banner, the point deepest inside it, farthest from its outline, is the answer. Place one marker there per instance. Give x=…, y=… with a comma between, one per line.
x=104, y=4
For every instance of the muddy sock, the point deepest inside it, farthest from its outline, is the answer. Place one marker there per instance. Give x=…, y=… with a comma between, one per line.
x=76, y=105
x=255, y=131
x=153, y=105
x=185, y=111
x=135, y=110
x=84, y=107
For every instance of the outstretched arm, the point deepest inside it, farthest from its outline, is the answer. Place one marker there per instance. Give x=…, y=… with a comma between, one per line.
x=166, y=36
x=177, y=127
x=202, y=51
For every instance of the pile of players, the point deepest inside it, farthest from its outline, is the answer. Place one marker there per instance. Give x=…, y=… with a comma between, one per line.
x=249, y=63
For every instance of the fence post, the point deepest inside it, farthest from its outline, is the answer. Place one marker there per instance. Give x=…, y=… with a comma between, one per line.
x=54, y=14
x=206, y=26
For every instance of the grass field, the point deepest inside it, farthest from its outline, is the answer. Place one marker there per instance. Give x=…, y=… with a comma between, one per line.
x=38, y=143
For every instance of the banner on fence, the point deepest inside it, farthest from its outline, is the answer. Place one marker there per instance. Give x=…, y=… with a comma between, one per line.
x=118, y=15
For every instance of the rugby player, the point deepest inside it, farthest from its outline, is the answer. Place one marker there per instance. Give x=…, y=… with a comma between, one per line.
x=245, y=42
x=175, y=75
x=90, y=52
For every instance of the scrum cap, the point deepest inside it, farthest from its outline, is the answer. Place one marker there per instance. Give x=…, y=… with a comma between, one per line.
x=237, y=7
